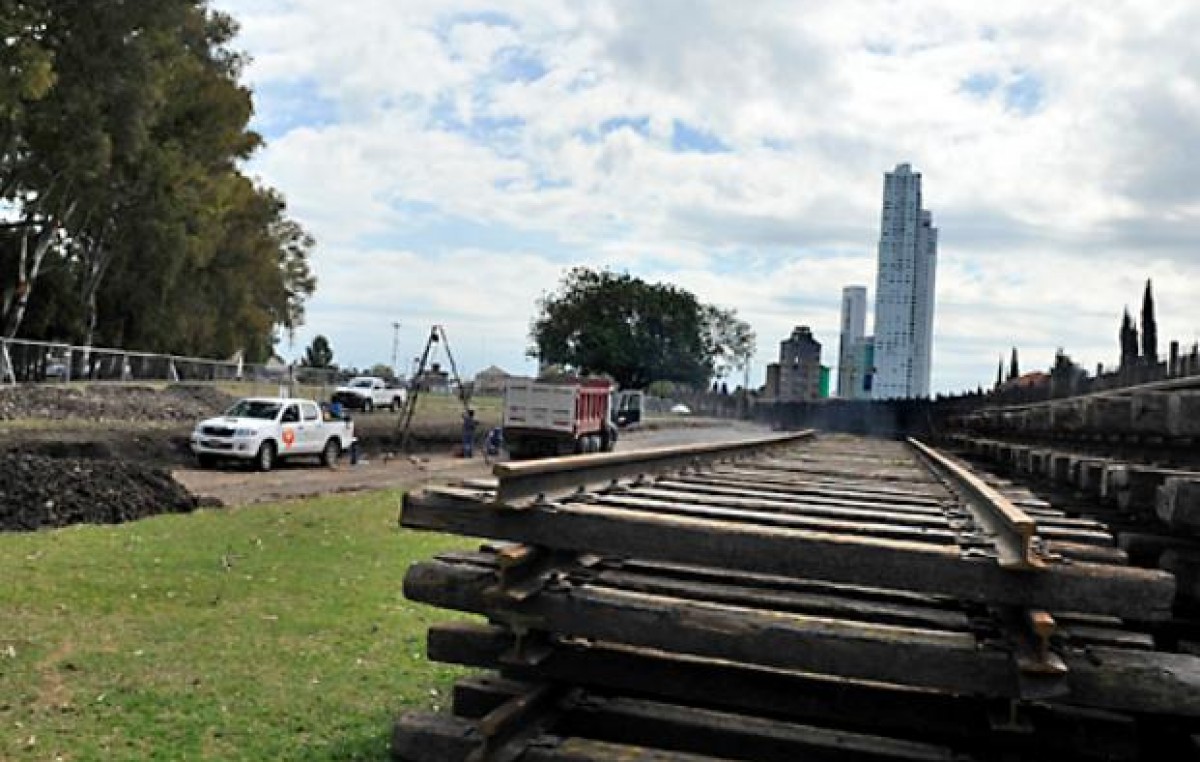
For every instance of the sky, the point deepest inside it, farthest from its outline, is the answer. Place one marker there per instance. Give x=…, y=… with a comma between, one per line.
x=455, y=159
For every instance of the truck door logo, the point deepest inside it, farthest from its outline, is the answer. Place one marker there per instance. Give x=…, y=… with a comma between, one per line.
x=289, y=437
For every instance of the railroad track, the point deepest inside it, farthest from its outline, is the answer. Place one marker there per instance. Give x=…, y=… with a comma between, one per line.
x=787, y=598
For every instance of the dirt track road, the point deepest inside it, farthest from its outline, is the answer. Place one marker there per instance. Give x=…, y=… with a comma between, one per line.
x=235, y=486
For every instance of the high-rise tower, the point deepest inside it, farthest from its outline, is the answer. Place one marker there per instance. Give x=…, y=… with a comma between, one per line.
x=851, y=368
x=904, y=289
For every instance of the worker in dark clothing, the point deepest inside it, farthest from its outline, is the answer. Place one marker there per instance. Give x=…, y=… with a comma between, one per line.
x=468, y=434
x=493, y=442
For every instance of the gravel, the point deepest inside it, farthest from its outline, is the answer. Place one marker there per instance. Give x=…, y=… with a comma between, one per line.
x=179, y=402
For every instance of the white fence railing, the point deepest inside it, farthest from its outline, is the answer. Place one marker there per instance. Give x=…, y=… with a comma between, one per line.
x=34, y=362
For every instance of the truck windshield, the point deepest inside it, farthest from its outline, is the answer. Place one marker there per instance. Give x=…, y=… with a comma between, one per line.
x=361, y=383
x=254, y=409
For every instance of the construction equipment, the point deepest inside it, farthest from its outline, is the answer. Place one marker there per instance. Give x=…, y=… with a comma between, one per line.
x=437, y=335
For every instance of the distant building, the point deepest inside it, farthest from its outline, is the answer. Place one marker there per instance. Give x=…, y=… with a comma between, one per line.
x=904, y=289
x=1032, y=380
x=771, y=387
x=490, y=381
x=434, y=380
x=797, y=375
x=854, y=369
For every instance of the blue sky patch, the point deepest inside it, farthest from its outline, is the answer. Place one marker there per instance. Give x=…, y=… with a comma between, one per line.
x=639, y=124
x=1023, y=94
x=688, y=139
x=283, y=107
x=980, y=84
x=494, y=131
x=518, y=65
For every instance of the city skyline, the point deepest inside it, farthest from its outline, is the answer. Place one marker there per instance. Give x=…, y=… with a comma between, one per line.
x=453, y=159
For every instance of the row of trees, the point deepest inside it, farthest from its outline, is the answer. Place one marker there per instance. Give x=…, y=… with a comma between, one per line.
x=637, y=332
x=126, y=219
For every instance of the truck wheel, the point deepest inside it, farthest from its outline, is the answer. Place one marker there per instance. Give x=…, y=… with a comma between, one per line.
x=204, y=460
x=265, y=459
x=608, y=440
x=368, y=406
x=397, y=403
x=331, y=453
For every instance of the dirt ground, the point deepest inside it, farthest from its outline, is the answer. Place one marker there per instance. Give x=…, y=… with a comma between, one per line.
x=106, y=454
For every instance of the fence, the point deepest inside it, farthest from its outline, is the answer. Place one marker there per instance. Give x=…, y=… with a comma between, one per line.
x=39, y=362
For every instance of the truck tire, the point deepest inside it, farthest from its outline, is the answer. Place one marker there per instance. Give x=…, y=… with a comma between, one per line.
x=204, y=460
x=397, y=404
x=331, y=452
x=265, y=460
x=368, y=406
x=608, y=440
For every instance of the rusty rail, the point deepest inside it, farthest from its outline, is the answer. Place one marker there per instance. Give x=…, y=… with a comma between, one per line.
x=541, y=479
x=1012, y=530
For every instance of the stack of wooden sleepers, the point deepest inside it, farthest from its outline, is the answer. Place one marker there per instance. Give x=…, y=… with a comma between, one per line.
x=819, y=598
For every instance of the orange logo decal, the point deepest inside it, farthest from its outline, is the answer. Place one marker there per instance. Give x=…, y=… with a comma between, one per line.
x=289, y=437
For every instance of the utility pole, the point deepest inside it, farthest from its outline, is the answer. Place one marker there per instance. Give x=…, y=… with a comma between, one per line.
x=395, y=347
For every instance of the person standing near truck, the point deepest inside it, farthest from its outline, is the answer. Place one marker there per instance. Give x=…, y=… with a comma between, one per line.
x=468, y=433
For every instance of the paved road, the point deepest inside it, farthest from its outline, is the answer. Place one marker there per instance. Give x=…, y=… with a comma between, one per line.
x=237, y=486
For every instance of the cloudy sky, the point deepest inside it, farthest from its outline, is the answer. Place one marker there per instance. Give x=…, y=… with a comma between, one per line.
x=453, y=159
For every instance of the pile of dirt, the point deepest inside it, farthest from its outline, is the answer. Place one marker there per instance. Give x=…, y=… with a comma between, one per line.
x=112, y=403
x=38, y=492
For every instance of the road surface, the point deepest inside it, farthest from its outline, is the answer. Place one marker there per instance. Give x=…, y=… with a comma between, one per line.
x=234, y=485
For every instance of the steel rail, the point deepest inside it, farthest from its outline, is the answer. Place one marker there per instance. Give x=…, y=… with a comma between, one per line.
x=1012, y=530
x=542, y=478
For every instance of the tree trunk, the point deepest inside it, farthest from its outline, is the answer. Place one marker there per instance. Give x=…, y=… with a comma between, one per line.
x=98, y=260
x=28, y=269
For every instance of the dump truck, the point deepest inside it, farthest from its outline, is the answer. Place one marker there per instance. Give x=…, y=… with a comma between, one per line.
x=545, y=419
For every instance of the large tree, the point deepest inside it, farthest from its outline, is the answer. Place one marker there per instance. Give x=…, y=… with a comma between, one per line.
x=637, y=332
x=121, y=142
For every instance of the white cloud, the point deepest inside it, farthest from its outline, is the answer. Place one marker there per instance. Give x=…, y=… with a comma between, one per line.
x=1055, y=139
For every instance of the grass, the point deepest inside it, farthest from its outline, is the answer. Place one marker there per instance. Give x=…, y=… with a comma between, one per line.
x=266, y=632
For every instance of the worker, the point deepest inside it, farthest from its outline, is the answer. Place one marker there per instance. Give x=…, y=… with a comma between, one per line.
x=493, y=442
x=468, y=433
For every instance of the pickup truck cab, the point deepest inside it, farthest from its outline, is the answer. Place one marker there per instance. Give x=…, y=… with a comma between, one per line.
x=366, y=393
x=264, y=430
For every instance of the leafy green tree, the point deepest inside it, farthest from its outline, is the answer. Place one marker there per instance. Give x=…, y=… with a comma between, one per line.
x=319, y=354
x=637, y=332
x=122, y=126
x=729, y=340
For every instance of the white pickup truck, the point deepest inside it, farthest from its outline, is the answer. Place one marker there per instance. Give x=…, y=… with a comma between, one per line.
x=366, y=393
x=267, y=429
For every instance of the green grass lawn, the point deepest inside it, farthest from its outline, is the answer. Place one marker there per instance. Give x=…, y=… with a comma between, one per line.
x=265, y=632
